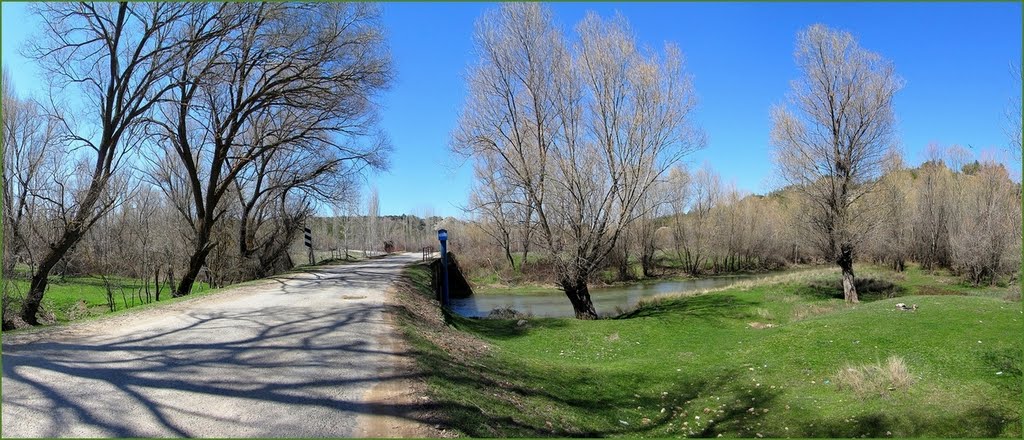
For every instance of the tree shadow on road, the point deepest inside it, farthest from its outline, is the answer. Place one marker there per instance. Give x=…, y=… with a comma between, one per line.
x=291, y=362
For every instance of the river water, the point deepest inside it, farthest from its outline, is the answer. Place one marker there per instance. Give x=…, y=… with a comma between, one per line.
x=606, y=299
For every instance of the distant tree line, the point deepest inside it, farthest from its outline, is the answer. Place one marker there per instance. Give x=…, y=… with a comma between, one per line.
x=943, y=214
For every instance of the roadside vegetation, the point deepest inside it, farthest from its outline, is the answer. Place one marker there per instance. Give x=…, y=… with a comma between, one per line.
x=780, y=357
x=187, y=144
x=76, y=298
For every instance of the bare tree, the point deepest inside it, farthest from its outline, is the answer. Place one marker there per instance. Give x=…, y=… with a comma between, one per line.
x=493, y=201
x=893, y=232
x=117, y=54
x=831, y=138
x=312, y=68
x=1014, y=118
x=29, y=138
x=985, y=238
x=29, y=147
x=652, y=206
x=523, y=213
x=678, y=193
x=933, y=206
x=700, y=230
x=277, y=192
x=372, y=236
x=583, y=130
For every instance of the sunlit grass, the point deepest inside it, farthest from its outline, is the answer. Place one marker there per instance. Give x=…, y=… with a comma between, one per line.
x=764, y=358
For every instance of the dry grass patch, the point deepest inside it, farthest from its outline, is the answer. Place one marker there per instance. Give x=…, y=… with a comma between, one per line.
x=1012, y=295
x=790, y=298
x=875, y=379
x=804, y=311
x=937, y=291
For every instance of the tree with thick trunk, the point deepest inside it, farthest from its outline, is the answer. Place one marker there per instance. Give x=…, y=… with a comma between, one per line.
x=118, y=54
x=580, y=130
x=831, y=138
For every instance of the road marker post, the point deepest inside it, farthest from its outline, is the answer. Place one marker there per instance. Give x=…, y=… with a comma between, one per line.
x=309, y=243
x=442, y=236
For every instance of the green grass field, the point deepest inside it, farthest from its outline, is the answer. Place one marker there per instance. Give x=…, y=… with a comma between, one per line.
x=76, y=298
x=777, y=358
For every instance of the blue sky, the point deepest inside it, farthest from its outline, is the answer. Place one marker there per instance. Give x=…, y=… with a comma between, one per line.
x=954, y=57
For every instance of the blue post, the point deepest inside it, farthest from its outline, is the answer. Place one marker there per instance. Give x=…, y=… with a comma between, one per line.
x=442, y=235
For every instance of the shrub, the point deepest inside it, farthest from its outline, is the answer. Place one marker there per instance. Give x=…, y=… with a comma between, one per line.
x=507, y=313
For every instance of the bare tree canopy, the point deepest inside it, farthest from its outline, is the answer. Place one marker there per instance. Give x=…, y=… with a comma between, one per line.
x=270, y=83
x=30, y=138
x=832, y=135
x=580, y=129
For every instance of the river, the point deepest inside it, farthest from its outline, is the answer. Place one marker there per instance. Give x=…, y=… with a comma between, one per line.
x=606, y=299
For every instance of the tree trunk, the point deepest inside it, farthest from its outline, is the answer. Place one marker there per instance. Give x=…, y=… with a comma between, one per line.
x=846, y=264
x=41, y=274
x=156, y=281
x=579, y=296
x=899, y=265
x=508, y=255
x=195, y=264
x=245, y=242
x=624, y=268
x=647, y=264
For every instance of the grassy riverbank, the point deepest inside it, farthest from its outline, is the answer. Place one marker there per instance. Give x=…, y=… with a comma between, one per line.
x=775, y=358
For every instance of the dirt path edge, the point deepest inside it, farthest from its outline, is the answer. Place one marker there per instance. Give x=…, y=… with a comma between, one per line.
x=399, y=407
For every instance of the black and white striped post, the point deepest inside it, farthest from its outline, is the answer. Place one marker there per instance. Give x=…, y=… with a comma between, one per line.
x=309, y=243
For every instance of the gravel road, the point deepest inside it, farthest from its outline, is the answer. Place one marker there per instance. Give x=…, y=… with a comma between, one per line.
x=292, y=356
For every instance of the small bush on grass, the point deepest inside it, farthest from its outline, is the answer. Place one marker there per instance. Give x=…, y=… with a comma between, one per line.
x=507, y=313
x=875, y=379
